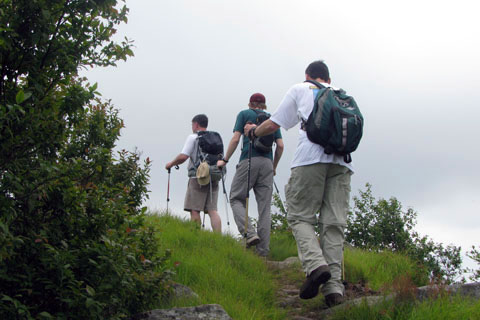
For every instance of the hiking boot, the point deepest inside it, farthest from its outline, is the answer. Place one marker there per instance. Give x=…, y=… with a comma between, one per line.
x=333, y=299
x=318, y=276
x=252, y=241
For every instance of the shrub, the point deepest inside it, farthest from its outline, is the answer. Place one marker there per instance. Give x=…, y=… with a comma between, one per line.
x=72, y=240
x=279, y=219
x=384, y=225
x=474, y=254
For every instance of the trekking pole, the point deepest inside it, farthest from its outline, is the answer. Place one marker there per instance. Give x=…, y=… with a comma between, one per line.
x=203, y=223
x=168, y=185
x=248, y=189
x=276, y=189
x=281, y=201
x=226, y=199
x=343, y=266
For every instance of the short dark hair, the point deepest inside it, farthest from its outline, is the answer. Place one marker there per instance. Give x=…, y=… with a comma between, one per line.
x=201, y=119
x=318, y=69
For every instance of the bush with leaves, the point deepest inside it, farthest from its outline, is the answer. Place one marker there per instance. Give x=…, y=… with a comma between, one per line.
x=474, y=254
x=384, y=225
x=279, y=218
x=72, y=239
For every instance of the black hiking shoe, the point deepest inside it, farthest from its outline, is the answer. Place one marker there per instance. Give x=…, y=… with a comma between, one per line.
x=318, y=276
x=253, y=241
x=333, y=299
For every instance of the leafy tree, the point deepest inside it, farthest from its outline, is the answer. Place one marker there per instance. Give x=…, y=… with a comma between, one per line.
x=384, y=225
x=474, y=254
x=72, y=240
x=279, y=219
x=380, y=225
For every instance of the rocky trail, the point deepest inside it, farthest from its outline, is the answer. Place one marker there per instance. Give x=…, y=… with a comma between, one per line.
x=290, y=277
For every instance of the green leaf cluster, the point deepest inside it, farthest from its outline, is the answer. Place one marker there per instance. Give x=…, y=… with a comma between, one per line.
x=474, y=254
x=383, y=225
x=279, y=222
x=72, y=239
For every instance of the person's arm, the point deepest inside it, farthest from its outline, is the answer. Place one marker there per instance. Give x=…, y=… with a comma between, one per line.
x=266, y=128
x=278, y=154
x=232, y=146
x=181, y=158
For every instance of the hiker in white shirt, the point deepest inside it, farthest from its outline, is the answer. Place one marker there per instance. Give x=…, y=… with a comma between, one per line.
x=319, y=182
x=199, y=197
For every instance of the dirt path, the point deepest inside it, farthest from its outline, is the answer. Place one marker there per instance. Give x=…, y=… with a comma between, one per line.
x=290, y=277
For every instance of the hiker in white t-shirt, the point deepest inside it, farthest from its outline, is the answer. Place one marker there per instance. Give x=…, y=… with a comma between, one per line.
x=319, y=182
x=199, y=197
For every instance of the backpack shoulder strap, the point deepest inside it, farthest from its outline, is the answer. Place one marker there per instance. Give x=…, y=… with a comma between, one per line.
x=318, y=84
x=200, y=154
x=257, y=112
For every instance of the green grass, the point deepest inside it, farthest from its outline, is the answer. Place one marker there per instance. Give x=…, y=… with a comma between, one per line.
x=218, y=269
x=221, y=271
x=444, y=307
x=381, y=270
x=282, y=246
x=378, y=270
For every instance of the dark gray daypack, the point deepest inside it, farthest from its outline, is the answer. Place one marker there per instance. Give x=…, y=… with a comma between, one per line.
x=263, y=144
x=210, y=150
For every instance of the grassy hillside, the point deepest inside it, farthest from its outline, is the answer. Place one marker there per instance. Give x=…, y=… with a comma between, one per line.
x=220, y=270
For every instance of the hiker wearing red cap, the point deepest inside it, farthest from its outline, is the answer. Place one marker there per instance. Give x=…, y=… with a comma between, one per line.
x=202, y=191
x=319, y=182
x=262, y=164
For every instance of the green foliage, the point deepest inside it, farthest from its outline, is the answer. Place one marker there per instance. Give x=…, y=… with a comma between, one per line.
x=218, y=268
x=474, y=254
x=279, y=219
x=72, y=240
x=383, y=225
x=379, y=225
x=380, y=269
x=282, y=246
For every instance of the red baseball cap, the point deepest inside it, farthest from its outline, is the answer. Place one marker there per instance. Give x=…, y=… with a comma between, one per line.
x=257, y=97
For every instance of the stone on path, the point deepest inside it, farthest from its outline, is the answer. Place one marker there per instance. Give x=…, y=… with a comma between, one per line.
x=207, y=311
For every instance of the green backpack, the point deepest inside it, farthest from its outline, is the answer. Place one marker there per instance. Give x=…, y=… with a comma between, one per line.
x=335, y=122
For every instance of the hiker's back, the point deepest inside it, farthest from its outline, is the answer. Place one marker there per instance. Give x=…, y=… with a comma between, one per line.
x=250, y=116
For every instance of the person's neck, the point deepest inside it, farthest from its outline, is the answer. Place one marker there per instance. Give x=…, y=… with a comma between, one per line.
x=318, y=80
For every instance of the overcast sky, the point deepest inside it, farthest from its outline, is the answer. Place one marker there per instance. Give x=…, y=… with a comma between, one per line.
x=412, y=67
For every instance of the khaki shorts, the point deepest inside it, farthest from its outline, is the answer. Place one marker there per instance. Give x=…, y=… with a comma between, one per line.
x=198, y=197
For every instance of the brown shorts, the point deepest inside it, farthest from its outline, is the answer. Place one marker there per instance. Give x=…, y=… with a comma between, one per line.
x=198, y=197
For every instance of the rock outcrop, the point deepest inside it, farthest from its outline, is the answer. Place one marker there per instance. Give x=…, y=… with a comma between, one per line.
x=207, y=311
x=183, y=292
